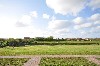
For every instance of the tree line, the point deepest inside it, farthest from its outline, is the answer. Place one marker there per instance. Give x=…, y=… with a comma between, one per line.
x=22, y=42
x=42, y=41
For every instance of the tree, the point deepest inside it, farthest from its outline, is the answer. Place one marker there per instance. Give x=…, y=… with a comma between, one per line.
x=50, y=38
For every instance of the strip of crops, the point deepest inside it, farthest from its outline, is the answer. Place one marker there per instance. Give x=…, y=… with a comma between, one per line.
x=71, y=61
x=70, y=43
x=13, y=61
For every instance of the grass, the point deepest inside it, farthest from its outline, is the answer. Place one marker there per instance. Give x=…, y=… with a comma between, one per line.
x=66, y=62
x=13, y=61
x=52, y=50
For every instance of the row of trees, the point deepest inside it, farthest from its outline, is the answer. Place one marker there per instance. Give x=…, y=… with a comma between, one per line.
x=37, y=41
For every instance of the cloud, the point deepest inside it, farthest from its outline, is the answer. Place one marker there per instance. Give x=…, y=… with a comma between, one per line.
x=34, y=14
x=95, y=29
x=92, y=21
x=46, y=16
x=65, y=7
x=62, y=31
x=58, y=24
x=11, y=27
x=97, y=22
x=95, y=17
x=94, y=4
x=8, y=29
x=20, y=24
x=78, y=20
x=85, y=25
x=98, y=27
x=53, y=17
x=6, y=22
x=25, y=20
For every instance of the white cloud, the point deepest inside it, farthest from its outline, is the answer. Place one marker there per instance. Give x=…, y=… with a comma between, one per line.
x=17, y=28
x=53, y=17
x=24, y=21
x=66, y=6
x=98, y=27
x=94, y=4
x=95, y=29
x=20, y=24
x=97, y=22
x=91, y=21
x=46, y=16
x=78, y=20
x=34, y=14
x=84, y=32
x=62, y=31
x=59, y=28
x=9, y=30
x=95, y=17
x=85, y=25
x=6, y=22
x=58, y=24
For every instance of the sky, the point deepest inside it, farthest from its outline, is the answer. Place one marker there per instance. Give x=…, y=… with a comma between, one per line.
x=43, y=18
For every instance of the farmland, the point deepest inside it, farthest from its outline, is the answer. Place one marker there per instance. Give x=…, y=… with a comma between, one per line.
x=40, y=48
x=51, y=50
x=13, y=61
x=69, y=61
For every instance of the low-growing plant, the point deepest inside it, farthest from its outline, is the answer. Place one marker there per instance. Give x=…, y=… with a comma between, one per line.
x=13, y=61
x=98, y=58
x=69, y=61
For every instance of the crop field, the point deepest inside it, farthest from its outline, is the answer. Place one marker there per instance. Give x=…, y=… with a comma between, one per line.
x=51, y=50
x=13, y=61
x=67, y=43
x=69, y=61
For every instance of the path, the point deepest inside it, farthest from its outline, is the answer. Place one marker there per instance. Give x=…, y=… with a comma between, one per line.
x=35, y=59
x=94, y=60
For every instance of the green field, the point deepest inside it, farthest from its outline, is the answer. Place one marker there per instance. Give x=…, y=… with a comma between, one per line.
x=13, y=61
x=72, y=61
x=52, y=50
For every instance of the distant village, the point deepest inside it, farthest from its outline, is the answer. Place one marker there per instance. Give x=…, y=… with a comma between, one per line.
x=51, y=38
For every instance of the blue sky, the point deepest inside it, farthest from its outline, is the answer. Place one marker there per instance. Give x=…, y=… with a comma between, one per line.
x=43, y=18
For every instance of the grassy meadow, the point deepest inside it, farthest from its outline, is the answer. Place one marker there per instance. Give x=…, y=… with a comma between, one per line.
x=52, y=50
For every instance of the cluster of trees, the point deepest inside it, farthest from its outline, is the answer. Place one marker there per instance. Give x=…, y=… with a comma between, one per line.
x=22, y=42
x=50, y=38
x=15, y=42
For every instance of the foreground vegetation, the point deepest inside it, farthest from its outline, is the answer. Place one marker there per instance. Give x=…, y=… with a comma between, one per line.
x=98, y=58
x=72, y=61
x=13, y=61
x=52, y=50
